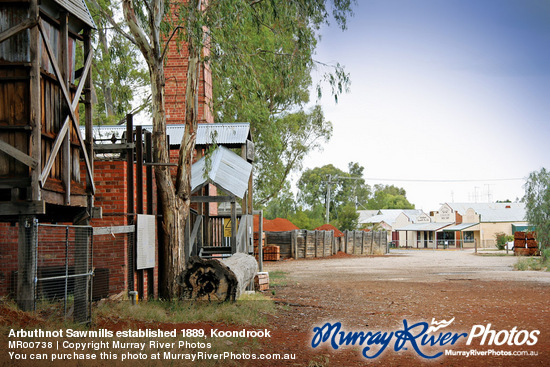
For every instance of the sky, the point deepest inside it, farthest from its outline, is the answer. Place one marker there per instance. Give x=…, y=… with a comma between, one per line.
x=449, y=99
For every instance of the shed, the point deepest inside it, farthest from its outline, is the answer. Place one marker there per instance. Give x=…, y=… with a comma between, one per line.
x=230, y=173
x=41, y=84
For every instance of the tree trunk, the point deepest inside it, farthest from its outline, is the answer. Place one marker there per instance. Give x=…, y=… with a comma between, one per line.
x=174, y=210
x=219, y=280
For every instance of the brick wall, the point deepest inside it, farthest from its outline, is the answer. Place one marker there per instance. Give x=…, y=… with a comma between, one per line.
x=176, y=80
x=8, y=258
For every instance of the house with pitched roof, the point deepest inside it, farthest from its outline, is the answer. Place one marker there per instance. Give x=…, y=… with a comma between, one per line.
x=389, y=219
x=476, y=224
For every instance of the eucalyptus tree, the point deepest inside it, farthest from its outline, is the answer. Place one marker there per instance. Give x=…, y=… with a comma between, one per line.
x=120, y=79
x=218, y=25
x=331, y=187
x=264, y=77
x=537, y=206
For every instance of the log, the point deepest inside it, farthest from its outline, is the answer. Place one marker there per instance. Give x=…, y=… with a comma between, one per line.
x=217, y=280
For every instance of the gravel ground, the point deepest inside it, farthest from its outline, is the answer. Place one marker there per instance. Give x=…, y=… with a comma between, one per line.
x=416, y=266
x=378, y=293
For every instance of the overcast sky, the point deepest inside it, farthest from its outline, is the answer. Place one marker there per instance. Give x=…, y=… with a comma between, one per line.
x=442, y=90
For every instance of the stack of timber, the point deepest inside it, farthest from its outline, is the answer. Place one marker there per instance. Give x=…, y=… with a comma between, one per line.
x=272, y=253
x=261, y=281
x=217, y=280
x=525, y=244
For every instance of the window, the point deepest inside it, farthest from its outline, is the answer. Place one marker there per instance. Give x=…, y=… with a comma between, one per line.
x=468, y=236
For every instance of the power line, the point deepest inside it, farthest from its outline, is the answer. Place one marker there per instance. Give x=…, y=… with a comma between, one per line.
x=421, y=180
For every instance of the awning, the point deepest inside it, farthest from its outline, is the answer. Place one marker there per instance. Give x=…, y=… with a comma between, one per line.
x=424, y=227
x=459, y=227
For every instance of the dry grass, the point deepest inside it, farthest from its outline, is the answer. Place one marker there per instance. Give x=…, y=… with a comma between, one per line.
x=249, y=309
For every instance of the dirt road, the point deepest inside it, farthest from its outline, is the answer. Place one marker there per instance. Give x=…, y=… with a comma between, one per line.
x=379, y=293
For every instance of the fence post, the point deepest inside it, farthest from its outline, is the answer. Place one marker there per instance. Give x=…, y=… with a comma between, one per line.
x=371, y=242
x=316, y=238
x=26, y=272
x=82, y=266
x=294, y=243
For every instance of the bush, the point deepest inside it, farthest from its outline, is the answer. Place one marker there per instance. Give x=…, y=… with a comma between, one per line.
x=502, y=239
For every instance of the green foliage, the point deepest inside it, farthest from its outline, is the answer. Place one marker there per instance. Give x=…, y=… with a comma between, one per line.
x=261, y=68
x=501, y=240
x=281, y=146
x=347, y=218
x=537, y=205
x=389, y=197
x=345, y=187
x=283, y=206
x=534, y=263
x=308, y=219
x=120, y=78
x=348, y=191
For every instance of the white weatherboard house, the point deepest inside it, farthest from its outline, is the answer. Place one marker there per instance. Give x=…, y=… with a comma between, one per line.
x=389, y=219
x=461, y=225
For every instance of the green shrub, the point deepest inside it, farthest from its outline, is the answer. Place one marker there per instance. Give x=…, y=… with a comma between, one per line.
x=502, y=239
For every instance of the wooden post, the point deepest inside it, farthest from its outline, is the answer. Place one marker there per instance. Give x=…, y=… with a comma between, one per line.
x=130, y=197
x=26, y=258
x=325, y=240
x=294, y=243
x=316, y=243
x=139, y=197
x=261, y=241
x=89, y=119
x=35, y=103
x=371, y=242
x=346, y=234
x=233, y=225
x=64, y=64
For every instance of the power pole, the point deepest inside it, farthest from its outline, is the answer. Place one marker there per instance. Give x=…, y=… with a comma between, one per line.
x=327, y=204
x=329, y=186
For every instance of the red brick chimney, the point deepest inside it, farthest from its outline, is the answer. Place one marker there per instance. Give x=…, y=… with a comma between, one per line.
x=176, y=80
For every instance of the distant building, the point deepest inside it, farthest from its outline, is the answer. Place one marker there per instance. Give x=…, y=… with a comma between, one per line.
x=389, y=219
x=461, y=225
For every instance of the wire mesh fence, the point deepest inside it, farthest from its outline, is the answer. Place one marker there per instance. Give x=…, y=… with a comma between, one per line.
x=64, y=270
x=60, y=270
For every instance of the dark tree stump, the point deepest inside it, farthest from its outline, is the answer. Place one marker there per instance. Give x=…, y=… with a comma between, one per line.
x=217, y=280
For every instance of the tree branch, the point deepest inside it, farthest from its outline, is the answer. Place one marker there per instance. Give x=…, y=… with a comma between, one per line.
x=141, y=39
x=111, y=21
x=169, y=39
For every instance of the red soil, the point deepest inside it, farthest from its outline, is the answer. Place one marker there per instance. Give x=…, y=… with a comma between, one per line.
x=330, y=227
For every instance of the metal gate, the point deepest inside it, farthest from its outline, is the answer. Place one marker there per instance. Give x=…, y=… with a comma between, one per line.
x=63, y=270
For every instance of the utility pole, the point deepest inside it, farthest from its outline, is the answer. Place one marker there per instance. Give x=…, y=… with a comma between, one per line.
x=329, y=186
x=327, y=203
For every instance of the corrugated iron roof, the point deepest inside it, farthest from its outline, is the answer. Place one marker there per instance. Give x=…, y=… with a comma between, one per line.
x=223, y=133
x=226, y=133
x=366, y=214
x=493, y=212
x=79, y=9
x=228, y=171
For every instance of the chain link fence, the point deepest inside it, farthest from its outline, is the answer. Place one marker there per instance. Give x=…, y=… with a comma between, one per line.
x=64, y=270
x=59, y=270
